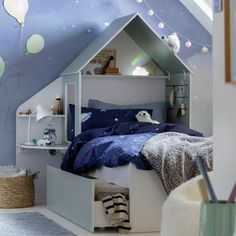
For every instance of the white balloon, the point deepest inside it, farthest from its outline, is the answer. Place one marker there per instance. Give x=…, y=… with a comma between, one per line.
x=35, y=44
x=17, y=8
x=2, y=67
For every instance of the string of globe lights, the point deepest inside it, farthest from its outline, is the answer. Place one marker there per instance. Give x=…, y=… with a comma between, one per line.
x=162, y=24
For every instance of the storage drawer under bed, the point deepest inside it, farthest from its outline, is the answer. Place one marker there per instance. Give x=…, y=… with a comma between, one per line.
x=75, y=198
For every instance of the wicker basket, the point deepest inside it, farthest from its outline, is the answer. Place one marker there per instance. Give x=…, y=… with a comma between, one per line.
x=17, y=192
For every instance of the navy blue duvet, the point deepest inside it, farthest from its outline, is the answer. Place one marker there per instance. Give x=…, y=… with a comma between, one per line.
x=115, y=146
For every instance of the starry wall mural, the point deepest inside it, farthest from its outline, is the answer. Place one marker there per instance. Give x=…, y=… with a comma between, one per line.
x=62, y=28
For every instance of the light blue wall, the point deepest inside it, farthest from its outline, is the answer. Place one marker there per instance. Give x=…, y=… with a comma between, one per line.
x=68, y=26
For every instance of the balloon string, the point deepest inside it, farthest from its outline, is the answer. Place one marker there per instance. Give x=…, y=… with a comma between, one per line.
x=21, y=39
x=19, y=44
x=15, y=49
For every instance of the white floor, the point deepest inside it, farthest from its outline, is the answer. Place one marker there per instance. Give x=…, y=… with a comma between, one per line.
x=69, y=225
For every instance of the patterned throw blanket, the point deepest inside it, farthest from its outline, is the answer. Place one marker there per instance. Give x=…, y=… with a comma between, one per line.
x=172, y=156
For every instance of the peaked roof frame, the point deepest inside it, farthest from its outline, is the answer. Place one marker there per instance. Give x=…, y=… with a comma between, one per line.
x=142, y=34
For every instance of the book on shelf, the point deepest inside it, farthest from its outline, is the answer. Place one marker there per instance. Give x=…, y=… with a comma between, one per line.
x=112, y=70
x=113, y=74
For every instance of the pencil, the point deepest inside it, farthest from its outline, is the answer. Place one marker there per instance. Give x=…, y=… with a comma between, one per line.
x=202, y=169
x=232, y=195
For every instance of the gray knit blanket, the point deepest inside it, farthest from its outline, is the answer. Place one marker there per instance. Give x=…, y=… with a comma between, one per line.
x=172, y=155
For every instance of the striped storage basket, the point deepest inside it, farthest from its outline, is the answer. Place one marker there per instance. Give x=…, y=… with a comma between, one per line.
x=17, y=192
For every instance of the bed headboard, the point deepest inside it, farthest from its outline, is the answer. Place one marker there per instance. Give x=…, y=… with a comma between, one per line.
x=123, y=91
x=130, y=90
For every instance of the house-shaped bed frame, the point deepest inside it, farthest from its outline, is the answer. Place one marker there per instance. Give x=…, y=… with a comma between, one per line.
x=73, y=196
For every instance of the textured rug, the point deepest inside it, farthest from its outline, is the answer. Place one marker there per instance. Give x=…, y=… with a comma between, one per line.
x=30, y=224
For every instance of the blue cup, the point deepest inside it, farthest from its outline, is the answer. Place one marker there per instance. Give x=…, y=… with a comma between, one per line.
x=217, y=219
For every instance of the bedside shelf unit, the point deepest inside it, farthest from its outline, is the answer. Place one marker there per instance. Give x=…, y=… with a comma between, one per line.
x=35, y=157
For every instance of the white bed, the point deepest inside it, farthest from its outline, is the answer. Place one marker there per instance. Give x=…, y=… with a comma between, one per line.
x=146, y=191
x=73, y=196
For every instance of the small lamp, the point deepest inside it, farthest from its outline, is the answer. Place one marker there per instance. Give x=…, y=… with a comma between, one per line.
x=41, y=115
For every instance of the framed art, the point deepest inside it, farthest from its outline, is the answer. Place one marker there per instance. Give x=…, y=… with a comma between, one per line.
x=103, y=56
x=230, y=36
x=97, y=64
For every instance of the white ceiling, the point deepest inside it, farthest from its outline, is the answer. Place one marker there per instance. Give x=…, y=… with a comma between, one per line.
x=202, y=10
x=206, y=6
x=209, y=3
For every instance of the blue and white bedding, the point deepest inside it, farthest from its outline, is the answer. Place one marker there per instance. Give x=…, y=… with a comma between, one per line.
x=115, y=145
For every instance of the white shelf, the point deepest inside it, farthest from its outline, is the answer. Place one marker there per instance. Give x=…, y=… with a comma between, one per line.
x=53, y=116
x=59, y=147
x=126, y=76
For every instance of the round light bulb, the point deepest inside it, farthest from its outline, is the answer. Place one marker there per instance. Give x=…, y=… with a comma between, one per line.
x=188, y=44
x=139, y=1
x=160, y=25
x=205, y=50
x=150, y=12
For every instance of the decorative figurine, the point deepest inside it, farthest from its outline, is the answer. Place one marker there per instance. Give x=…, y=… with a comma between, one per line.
x=57, y=109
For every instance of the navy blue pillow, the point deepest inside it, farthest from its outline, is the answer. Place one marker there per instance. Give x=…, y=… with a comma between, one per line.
x=100, y=118
x=159, y=109
x=105, y=118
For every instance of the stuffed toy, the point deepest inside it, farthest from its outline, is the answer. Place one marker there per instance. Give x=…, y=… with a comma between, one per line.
x=173, y=42
x=144, y=116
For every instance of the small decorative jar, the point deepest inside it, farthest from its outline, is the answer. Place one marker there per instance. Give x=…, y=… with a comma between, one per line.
x=57, y=109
